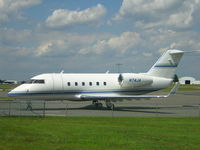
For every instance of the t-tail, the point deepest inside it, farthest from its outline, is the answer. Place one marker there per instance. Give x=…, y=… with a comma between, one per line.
x=167, y=64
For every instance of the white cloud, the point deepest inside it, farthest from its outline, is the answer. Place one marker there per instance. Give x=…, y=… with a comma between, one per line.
x=181, y=19
x=44, y=48
x=58, y=43
x=142, y=7
x=162, y=40
x=154, y=13
x=121, y=44
x=12, y=8
x=124, y=42
x=11, y=36
x=62, y=17
x=147, y=54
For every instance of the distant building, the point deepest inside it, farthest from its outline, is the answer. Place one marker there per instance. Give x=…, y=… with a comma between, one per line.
x=10, y=82
x=188, y=80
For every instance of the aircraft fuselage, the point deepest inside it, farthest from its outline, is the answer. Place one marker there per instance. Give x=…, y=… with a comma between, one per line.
x=63, y=86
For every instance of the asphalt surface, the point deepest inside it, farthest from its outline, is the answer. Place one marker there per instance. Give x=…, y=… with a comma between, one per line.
x=185, y=104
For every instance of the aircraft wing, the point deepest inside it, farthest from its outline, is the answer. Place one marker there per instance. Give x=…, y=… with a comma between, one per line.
x=102, y=97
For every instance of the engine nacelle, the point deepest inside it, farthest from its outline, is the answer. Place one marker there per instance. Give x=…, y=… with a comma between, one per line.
x=134, y=80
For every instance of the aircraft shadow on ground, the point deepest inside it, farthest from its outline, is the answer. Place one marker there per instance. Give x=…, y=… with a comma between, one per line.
x=141, y=109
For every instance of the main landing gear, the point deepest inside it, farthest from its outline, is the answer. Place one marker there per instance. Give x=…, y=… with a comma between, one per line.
x=97, y=104
x=109, y=105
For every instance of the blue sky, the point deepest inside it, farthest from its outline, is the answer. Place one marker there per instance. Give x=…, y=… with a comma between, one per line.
x=80, y=36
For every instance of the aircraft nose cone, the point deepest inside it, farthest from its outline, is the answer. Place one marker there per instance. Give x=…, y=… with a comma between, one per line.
x=19, y=91
x=10, y=94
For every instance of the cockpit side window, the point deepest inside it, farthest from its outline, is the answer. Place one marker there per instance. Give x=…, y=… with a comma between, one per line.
x=36, y=81
x=39, y=81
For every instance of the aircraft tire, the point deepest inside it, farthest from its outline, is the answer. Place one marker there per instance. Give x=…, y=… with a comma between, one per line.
x=29, y=107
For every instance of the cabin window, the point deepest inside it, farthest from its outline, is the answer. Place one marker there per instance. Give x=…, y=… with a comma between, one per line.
x=76, y=83
x=83, y=83
x=68, y=83
x=90, y=83
x=97, y=83
x=104, y=83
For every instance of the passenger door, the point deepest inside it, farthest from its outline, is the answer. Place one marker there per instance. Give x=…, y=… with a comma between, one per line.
x=57, y=82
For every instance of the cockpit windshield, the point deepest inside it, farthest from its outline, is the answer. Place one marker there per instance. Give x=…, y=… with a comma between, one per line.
x=35, y=81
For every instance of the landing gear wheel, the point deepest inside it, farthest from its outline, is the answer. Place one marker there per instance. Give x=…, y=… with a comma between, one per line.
x=97, y=104
x=29, y=107
x=110, y=105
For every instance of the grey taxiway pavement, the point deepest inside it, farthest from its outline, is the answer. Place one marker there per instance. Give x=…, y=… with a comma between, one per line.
x=183, y=104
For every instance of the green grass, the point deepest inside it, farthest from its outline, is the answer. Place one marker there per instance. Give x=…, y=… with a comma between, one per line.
x=189, y=88
x=6, y=98
x=7, y=87
x=99, y=133
x=183, y=88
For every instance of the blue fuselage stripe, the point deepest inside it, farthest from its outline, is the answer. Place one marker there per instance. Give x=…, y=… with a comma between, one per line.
x=79, y=92
x=165, y=66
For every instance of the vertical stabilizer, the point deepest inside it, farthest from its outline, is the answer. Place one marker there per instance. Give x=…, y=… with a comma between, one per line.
x=166, y=64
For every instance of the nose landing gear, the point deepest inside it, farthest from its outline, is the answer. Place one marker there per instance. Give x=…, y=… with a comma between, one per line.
x=29, y=106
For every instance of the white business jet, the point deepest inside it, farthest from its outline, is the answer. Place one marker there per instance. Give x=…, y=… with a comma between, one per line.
x=106, y=87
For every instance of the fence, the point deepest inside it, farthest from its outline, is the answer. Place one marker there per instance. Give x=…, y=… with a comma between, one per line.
x=147, y=108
